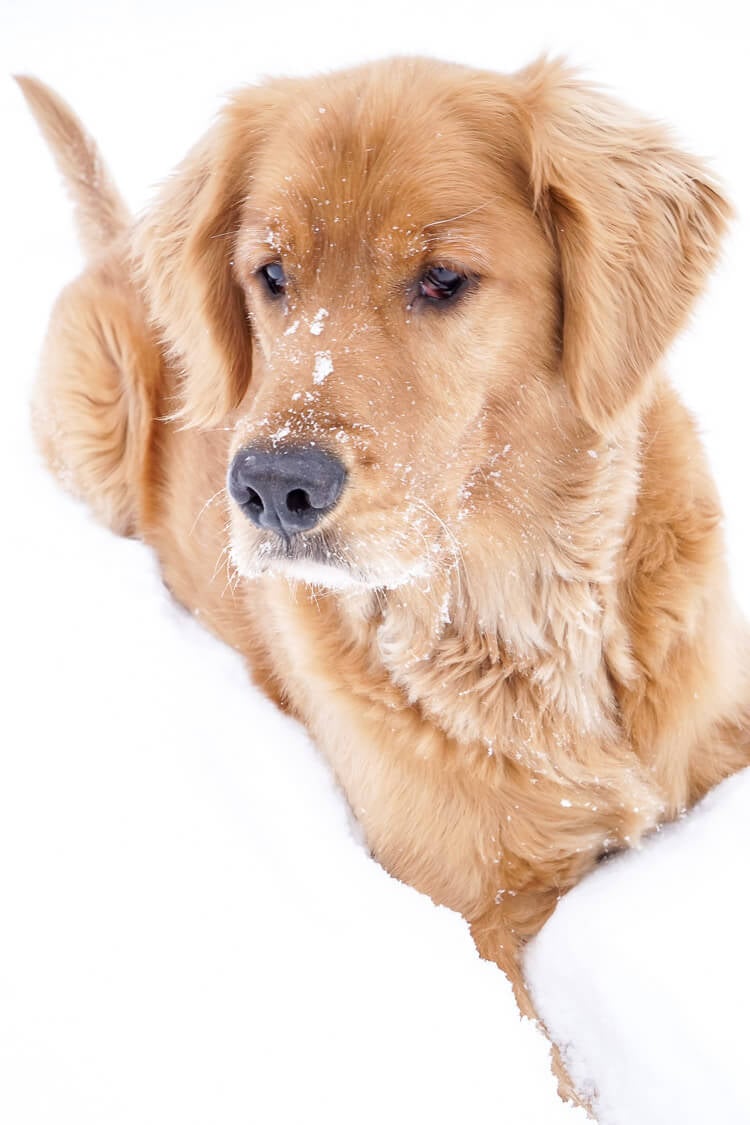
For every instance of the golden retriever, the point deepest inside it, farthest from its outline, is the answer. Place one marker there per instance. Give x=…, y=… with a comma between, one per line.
x=412, y=314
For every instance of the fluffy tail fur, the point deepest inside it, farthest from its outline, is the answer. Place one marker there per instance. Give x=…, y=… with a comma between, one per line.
x=100, y=213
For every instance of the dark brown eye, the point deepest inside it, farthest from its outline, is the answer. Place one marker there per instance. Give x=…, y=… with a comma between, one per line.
x=440, y=284
x=274, y=277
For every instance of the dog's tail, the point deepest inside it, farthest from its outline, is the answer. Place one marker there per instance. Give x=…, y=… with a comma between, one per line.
x=100, y=213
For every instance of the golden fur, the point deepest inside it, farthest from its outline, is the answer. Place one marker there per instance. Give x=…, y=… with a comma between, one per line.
x=522, y=652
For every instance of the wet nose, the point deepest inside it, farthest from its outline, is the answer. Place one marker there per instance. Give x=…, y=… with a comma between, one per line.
x=285, y=490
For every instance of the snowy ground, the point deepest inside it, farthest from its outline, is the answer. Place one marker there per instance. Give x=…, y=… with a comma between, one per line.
x=190, y=929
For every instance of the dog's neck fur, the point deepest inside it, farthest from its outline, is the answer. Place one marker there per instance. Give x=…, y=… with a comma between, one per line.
x=519, y=634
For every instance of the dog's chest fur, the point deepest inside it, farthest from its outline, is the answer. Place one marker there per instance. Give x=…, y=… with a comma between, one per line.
x=475, y=768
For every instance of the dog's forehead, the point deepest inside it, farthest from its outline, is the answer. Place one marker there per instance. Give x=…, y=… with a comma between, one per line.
x=350, y=169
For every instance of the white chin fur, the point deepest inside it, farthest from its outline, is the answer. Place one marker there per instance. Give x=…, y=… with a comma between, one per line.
x=295, y=570
x=325, y=575
x=316, y=574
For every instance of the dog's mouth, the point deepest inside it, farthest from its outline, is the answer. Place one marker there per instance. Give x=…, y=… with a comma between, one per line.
x=314, y=558
x=323, y=559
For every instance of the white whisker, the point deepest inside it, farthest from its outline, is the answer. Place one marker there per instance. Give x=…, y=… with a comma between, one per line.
x=208, y=504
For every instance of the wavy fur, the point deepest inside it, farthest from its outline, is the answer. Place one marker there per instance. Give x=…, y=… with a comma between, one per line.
x=527, y=655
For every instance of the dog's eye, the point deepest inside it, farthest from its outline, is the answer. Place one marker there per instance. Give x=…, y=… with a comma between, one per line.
x=440, y=284
x=274, y=277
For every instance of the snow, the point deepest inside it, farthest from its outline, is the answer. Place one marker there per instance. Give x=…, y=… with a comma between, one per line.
x=323, y=367
x=317, y=325
x=192, y=930
x=643, y=970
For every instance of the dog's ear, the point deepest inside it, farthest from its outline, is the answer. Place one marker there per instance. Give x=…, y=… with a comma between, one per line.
x=636, y=225
x=184, y=250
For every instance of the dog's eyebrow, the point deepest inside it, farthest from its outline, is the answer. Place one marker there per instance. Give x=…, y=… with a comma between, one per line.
x=457, y=248
x=462, y=215
x=257, y=230
x=456, y=240
x=253, y=218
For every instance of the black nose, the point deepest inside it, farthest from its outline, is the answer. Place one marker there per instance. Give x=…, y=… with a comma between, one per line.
x=285, y=490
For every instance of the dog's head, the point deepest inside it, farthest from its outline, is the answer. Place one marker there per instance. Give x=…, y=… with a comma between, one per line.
x=423, y=297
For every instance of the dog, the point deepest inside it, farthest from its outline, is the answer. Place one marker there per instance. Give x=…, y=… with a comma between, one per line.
x=377, y=375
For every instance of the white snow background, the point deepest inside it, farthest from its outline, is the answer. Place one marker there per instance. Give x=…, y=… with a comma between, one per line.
x=191, y=930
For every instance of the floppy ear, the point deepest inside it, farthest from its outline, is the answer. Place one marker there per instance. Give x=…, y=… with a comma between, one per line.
x=636, y=225
x=184, y=249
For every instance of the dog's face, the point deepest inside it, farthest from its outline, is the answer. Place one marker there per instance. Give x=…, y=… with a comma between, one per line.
x=400, y=290
x=422, y=295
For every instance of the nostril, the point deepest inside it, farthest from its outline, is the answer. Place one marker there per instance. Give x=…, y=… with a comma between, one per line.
x=298, y=501
x=254, y=502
